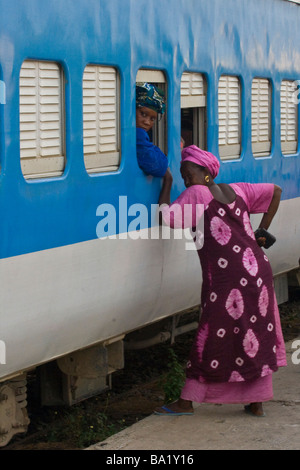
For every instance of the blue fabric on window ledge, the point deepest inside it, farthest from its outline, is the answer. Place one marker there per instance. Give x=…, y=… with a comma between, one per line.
x=150, y=158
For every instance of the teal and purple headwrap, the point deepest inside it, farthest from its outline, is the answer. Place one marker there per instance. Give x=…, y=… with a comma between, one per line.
x=150, y=96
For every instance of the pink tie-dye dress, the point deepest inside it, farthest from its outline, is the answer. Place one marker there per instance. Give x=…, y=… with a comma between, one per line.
x=239, y=342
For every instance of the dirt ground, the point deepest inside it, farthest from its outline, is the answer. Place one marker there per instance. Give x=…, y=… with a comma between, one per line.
x=136, y=391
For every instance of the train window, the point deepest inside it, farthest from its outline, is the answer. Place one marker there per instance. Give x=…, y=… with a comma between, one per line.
x=261, y=117
x=229, y=108
x=41, y=119
x=101, y=119
x=158, y=134
x=193, y=109
x=289, y=117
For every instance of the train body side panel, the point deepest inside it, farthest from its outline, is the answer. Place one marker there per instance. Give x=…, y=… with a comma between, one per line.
x=60, y=300
x=56, y=301
x=62, y=288
x=200, y=36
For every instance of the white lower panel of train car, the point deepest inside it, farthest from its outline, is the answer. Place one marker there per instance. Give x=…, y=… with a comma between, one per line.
x=64, y=299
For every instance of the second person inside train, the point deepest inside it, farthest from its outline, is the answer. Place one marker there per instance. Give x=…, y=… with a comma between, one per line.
x=150, y=103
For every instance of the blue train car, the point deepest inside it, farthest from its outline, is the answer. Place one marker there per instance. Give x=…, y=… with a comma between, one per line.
x=78, y=268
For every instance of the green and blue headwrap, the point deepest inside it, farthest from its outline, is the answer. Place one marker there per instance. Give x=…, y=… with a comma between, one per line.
x=150, y=96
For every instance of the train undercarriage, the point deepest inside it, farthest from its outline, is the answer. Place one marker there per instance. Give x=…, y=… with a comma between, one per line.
x=88, y=372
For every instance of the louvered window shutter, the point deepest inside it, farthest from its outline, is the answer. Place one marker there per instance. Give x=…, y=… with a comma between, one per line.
x=229, y=117
x=261, y=117
x=192, y=90
x=41, y=119
x=289, y=116
x=100, y=119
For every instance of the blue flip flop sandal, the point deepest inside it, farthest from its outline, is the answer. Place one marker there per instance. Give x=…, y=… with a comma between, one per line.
x=168, y=411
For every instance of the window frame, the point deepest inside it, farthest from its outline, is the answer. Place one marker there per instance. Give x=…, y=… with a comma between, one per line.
x=101, y=161
x=289, y=147
x=33, y=100
x=230, y=151
x=159, y=132
x=261, y=147
x=193, y=95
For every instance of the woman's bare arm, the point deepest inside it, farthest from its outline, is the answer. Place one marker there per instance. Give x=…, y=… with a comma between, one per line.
x=268, y=216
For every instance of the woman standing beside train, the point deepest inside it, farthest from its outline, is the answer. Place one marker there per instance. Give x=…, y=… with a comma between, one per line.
x=239, y=342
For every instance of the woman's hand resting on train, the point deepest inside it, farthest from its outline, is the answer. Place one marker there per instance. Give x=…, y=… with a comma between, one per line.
x=165, y=194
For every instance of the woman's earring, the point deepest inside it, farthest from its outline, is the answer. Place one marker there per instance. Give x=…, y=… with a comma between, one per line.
x=207, y=179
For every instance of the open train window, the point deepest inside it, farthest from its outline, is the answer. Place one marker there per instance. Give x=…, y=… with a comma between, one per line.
x=229, y=108
x=42, y=119
x=261, y=117
x=158, y=134
x=101, y=139
x=193, y=109
x=289, y=116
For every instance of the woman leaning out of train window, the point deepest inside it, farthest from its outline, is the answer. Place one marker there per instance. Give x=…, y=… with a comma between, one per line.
x=239, y=342
x=149, y=103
